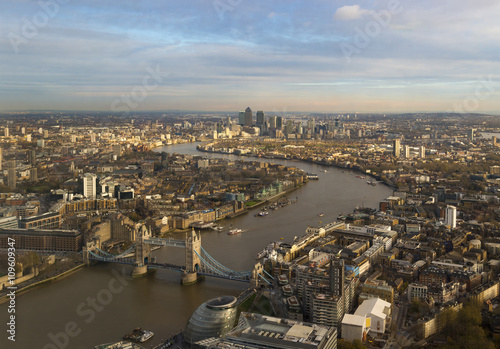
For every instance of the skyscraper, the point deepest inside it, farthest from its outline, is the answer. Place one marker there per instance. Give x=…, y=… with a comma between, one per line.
x=12, y=178
x=6, y=132
x=32, y=157
x=337, y=276
x=272, y=121
x=396, y=147
x=89, y=182
x=260, y=118
x=241, y=118
x=1, y=158
x=248, y=117
x=450, y=218
x=279, y=122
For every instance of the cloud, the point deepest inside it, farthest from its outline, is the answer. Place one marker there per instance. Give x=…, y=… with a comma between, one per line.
x=348, y=13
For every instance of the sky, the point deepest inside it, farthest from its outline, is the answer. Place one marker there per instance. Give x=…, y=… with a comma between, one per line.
x=280, y=56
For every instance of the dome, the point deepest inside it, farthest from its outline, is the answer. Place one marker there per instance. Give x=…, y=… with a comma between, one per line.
x=214, y=318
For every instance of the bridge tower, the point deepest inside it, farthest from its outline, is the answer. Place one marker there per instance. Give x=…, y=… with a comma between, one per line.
x=142, y=251
x=254, y=278
x=193, y=262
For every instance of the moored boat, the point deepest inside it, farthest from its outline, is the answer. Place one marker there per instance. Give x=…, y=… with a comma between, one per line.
x=139, y=335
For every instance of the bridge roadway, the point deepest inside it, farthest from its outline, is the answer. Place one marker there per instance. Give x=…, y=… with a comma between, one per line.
x=165, y=242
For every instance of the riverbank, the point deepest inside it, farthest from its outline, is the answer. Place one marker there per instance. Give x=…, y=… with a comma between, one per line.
x=353, y=169
x=27, y=288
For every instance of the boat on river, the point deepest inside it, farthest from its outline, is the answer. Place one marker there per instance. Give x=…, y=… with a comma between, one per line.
x=234, y=231
x=139, y=335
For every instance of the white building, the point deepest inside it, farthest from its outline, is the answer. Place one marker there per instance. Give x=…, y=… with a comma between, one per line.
x=89, y=185
x=378, y=310
x=355, y=327
x=450, y=218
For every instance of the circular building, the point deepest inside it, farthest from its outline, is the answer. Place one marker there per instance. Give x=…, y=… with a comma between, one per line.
x=214, y=318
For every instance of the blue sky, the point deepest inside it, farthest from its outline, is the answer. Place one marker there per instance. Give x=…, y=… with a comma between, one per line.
x=223, y=55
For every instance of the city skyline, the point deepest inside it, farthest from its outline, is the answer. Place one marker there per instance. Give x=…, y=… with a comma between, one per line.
x=369, y=56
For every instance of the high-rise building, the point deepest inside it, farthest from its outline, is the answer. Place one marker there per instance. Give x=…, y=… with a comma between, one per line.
x=89, y=183
x=248, y=117
x=241, y=118
x=407, y=151
x=32, y=157
x=470, y=135
x=45, y=133
x=279, y=122
x=396, y=147
x=28, y=138
x=272, y=121
x=337, y=276
x=260, y=118
x=421, y=152
x=92, y=137
x=6, y=132
x=23, y=130
x=34, y=174
x=1, y=158
x=12, y=177
x=450, y=218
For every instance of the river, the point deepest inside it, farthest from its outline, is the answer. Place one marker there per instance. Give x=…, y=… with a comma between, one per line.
x=63, y=311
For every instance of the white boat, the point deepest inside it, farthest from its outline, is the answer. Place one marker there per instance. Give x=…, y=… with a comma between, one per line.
x=234, y=231
x=261, y=254
x=263, y=213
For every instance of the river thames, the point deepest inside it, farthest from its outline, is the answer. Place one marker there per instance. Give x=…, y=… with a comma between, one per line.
x=158, y=301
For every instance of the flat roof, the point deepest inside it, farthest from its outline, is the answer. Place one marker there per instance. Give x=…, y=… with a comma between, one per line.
x=354, y=320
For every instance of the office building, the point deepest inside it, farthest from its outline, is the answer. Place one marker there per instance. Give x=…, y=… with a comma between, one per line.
x=241, y=118
x=260, y=118
x=89, y=185
x=396, y=147
x=272, y=121
x=9, y=222
x=43, y=240
x=261, y=331
x=6, y=132
x=450, y=218
x=279, y=122
x=248, y=117
x=214, y=318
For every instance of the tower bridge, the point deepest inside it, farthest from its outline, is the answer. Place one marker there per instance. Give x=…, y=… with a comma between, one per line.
x=197, y=262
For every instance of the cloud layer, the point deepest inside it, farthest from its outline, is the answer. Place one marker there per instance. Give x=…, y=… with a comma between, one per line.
x=224, y=55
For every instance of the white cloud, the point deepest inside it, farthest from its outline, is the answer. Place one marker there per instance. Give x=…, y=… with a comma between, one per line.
x=347, y=13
